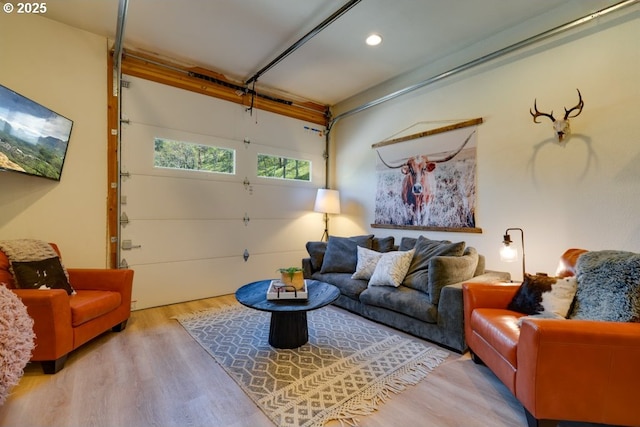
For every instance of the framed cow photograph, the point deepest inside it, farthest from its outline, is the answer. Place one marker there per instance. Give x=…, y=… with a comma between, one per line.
x=427, y=180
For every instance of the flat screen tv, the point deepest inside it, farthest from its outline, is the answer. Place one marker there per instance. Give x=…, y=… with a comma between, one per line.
x=33, y=138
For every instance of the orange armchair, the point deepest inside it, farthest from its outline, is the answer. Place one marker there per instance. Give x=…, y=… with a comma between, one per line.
x=64, y=322
x=570, y=370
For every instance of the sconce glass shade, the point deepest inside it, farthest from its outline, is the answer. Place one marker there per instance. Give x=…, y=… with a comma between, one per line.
x=508, y=253
x=327, y=201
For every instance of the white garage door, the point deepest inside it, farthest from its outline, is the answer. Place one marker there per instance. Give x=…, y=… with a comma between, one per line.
x=190, y=231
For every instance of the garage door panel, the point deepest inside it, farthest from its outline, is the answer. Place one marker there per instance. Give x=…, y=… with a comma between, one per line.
x=177, y=240
x=149, y=197
x=168, y=283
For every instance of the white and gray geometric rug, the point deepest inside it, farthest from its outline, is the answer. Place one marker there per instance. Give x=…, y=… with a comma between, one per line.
x=346, y=370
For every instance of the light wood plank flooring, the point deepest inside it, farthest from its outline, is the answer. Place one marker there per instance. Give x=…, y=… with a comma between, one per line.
x=154, y=374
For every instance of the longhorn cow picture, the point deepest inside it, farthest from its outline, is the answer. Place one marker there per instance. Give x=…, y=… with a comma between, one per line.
x=429, y=190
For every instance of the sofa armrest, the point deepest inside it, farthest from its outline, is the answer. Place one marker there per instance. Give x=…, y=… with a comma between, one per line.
x=488, y=295
x=51, y=314
x=307, y=268
x=579, y=369
x=102, y=279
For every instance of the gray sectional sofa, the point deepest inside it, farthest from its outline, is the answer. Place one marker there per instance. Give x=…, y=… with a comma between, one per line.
x=415, y=287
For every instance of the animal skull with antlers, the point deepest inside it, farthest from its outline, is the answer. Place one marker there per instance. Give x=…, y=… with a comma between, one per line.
x=561, y=127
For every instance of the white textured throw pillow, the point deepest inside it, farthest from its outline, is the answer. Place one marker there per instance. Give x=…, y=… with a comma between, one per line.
x=367, y=261
x=391, y=268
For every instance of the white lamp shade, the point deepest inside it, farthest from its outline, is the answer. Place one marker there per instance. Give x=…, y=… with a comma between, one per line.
x=327, y=201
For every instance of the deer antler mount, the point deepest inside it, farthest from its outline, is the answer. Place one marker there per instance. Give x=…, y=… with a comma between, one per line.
x=561, y=127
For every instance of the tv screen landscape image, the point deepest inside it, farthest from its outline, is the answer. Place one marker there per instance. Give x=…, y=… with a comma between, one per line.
x=33, y=138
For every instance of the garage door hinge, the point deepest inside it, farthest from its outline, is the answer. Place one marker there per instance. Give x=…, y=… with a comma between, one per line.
x=245, y=255
x=246, y=219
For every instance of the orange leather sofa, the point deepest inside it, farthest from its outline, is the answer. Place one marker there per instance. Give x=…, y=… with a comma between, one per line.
x=64, y=322
x=560, y=370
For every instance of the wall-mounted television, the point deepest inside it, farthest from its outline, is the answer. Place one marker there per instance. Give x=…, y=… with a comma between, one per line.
x=33, y=138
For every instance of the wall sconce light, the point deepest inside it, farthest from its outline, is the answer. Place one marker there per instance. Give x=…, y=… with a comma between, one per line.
x=327, y=202
x=509, y=253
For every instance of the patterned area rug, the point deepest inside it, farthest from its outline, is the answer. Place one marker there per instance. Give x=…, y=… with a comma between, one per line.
x=348, y=367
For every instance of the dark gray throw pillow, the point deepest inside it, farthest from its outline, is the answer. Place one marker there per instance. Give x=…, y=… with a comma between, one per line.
x=34, y=274
x=447, y=270
x=341, y=255
x=316, y=252
x=417, y=277
x=383, y=244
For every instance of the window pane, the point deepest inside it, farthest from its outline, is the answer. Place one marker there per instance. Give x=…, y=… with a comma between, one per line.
x=283, y=168
x=190, y=156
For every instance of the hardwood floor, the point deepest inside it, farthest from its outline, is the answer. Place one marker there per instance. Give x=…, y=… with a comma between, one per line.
x=154, y=374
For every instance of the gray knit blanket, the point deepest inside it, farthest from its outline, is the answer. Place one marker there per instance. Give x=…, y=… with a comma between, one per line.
x=608, y=286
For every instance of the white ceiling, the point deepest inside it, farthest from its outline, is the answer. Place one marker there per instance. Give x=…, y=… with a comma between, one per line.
x=239, y=37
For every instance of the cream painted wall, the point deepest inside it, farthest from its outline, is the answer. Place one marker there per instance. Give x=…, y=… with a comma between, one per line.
x=585, y=193
x=64, y=69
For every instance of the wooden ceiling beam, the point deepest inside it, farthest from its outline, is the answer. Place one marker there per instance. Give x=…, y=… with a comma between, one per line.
x=182, y=77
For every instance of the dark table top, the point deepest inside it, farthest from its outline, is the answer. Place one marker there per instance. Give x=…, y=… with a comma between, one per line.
x=254, y=295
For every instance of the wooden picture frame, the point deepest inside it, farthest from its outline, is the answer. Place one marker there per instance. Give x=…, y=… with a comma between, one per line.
x=427, y=180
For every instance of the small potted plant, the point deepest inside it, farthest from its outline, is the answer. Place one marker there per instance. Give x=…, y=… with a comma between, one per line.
x=292, y=276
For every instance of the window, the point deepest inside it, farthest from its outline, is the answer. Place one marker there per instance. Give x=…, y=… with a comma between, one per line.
x=284, y=168
x=187, y=155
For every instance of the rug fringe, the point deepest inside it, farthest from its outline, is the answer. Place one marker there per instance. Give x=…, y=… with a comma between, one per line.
x=206, y=312
x=370, y=400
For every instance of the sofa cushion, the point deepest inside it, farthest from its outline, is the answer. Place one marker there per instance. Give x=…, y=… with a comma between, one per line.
x=608, y=286
x=341, y=255
x=47, y=274
x=447, y=270
x=366, y=265
x=391, y=268
x=88, y=305
x=401, y=300
x=351, y=288
x=417, y=276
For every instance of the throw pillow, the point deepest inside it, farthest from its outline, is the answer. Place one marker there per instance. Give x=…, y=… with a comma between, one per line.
x=407, y=243
x=557, y=302
x=608, y=286
x=47, y=273
x=366, y=265
x=316, y=252
x=383, y=244
x=341, y=255
x=447, y=270
x=391, y=268
x=426, y=249
x=528, y=297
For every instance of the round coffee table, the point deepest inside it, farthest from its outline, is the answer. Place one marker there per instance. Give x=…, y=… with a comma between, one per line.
x=288, y=327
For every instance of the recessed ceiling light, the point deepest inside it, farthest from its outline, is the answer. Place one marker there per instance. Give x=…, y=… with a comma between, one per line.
x=374, y=40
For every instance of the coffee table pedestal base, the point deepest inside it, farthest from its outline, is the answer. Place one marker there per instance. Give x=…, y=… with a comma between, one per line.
x=288, y=329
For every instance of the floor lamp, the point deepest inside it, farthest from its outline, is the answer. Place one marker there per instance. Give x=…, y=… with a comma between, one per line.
x=327, y=202
x=508, y=252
